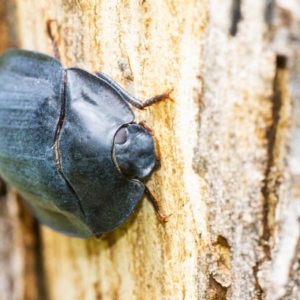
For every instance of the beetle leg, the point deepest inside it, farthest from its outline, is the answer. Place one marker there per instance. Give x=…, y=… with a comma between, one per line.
x=130, y=99
x=145, y=126
x=98, y=237
x=156, y=205
x=54, y=44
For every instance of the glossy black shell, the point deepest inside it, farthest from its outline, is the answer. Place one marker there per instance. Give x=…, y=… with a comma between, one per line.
x=57, y=129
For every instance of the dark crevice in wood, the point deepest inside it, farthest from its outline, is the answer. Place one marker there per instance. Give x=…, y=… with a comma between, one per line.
x=220, y=253
x=259, y=293
x=215, y=290
x=270, y=187
x=2, y=188
x=40, y=266
x=222, y=242
x=236, y=17
x=33, y=274
x=269, y=11
x=7, y=247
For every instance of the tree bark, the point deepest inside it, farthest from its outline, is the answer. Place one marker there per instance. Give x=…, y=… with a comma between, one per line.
x=228, y=139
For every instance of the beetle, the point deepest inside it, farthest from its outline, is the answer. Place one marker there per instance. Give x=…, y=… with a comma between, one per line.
x=70, y=146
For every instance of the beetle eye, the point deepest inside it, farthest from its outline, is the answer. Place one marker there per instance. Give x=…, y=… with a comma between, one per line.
x=121, y=136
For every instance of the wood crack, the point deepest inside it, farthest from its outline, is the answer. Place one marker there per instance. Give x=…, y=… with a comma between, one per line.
x=273, y=167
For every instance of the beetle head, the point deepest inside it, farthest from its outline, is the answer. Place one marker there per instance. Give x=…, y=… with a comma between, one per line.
x=134, y=151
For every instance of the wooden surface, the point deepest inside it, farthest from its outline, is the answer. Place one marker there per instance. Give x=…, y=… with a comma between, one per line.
x=228, y=139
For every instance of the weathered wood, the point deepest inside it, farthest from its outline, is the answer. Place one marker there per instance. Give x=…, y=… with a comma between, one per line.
x=280, y=274
x=228, y=141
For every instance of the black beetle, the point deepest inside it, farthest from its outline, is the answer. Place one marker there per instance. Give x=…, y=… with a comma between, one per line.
x=69, y=144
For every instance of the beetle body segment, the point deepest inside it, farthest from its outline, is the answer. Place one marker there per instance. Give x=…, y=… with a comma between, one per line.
x=94, y=113
x=57, y=130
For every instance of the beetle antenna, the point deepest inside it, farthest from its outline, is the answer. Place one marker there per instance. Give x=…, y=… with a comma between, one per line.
x=157, y=98
x=156, y=205
x=53, y=41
